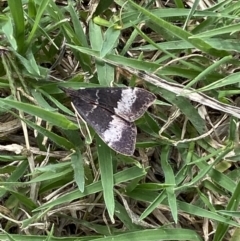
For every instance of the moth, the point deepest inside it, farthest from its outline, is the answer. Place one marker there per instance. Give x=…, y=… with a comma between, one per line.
x=111, y=112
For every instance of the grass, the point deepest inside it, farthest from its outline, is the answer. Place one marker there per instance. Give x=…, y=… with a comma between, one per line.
x=182, y=182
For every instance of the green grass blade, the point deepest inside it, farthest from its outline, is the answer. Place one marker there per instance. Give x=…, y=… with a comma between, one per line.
x=106, y=168
x=54, y=118
x=17, y=14
x=78, y=167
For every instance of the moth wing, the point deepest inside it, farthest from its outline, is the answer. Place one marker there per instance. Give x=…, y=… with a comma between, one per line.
x=117, y=133
x=128, y=103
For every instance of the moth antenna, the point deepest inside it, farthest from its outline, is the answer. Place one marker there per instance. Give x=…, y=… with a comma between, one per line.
x=66, y=90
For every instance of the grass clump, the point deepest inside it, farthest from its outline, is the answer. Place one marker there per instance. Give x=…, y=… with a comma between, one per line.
x=182, y=181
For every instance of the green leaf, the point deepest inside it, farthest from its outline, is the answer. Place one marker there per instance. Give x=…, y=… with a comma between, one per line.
x=123, y=176
x=105, y=71
x=111, y=37
x=40, y=11
x=177, y=31
x=106, y=168
x=102, y=6
x=15, y=176
x=54, y=118
x=78, y=167
x=169, y=179
x=17, y=14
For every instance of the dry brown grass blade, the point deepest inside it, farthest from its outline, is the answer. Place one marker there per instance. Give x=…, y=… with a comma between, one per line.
x=189, y=93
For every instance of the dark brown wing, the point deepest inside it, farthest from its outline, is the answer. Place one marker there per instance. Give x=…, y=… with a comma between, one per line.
x=128, y=103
